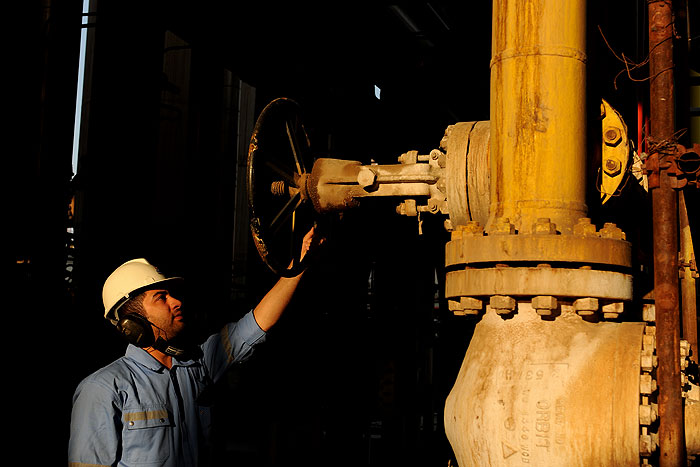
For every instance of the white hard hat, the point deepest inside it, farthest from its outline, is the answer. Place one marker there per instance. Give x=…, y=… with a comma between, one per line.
x=127, y=281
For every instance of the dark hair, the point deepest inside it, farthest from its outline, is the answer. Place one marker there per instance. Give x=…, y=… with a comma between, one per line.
x=133, y=305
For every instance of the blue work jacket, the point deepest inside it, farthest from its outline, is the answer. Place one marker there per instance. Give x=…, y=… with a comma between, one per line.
x=136, y=411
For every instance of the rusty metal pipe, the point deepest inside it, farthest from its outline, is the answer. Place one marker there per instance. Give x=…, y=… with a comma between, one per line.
x=665, y=214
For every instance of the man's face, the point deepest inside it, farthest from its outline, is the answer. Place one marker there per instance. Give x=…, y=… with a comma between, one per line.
x=165, y=312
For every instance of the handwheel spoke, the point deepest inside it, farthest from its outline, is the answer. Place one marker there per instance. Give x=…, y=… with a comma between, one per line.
x=295, y=149
x=284, y=213
x=287, y=174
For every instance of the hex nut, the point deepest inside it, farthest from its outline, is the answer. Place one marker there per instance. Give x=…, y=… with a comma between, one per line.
x=586, y=306
x=407, y=208
x=502, y=304
x=648, y=413
x=471, y=305
x=584, y=228
x=544, y=226
x=647, y=384
x=612, y=136
x=544, y=304
x=610, y=230
x=648, y=442
x=613, y=310
x=473, y=228
x=647, y=360
x=685, y=348
x=465, y=306
x=612, y=167
x=502, y=226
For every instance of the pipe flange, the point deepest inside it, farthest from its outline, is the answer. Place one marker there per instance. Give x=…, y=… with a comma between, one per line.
x=467, y=177
x=610, y=286
x=586, y=246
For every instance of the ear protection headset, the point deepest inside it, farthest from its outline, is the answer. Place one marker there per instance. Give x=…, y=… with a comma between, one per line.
x=136, y=329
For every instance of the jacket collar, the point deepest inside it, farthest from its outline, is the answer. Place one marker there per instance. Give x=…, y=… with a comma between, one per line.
x=143, y=358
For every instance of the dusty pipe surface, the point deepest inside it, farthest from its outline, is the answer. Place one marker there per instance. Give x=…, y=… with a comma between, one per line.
x=692, y=427
x=665, y=239
x=552, y=393
x=688, y=288
x=538, y=113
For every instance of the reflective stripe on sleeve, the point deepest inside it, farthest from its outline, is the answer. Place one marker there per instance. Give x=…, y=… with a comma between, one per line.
x=151, y=415
x=81, y=464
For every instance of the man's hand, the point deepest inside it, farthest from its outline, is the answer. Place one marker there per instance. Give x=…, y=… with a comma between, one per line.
x=310, y=241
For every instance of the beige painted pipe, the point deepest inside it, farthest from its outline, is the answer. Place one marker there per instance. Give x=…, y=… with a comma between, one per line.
x=549, y=393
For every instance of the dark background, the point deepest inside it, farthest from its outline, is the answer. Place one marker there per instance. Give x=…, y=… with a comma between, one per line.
x=357, y=371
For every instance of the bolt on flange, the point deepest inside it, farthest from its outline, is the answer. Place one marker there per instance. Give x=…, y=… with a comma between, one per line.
x=471, y=229
x=585, y=228
x=648, y=412
x=648, y=359
x=648, y=442
x=544, y=305
x=502, y=304
x=649, y=312
x=465, y=306
x=612, y=136
x=613, y=310
x=501, y=226
x=544, y=226
x=474, y=228
x=612, y=167
x=610, y=230
x=647, y=384
x=586, y=306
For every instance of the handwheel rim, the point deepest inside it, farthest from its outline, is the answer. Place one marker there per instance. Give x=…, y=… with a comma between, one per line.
x=279, y=213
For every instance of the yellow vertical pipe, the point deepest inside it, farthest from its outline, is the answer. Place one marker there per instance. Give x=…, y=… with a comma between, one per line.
x=538, y=112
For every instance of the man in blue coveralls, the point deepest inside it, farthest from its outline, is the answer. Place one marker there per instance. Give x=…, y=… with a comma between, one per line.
x=144, y=408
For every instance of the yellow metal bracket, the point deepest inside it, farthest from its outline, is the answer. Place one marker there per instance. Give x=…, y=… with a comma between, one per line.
x=615, y=152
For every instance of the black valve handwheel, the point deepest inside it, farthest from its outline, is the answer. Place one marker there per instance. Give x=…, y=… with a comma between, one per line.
x=280, y=213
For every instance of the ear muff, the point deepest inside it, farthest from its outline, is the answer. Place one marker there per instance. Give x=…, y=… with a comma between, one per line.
x=136, y=329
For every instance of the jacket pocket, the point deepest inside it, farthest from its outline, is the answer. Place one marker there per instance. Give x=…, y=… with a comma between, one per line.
x=147, y=435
